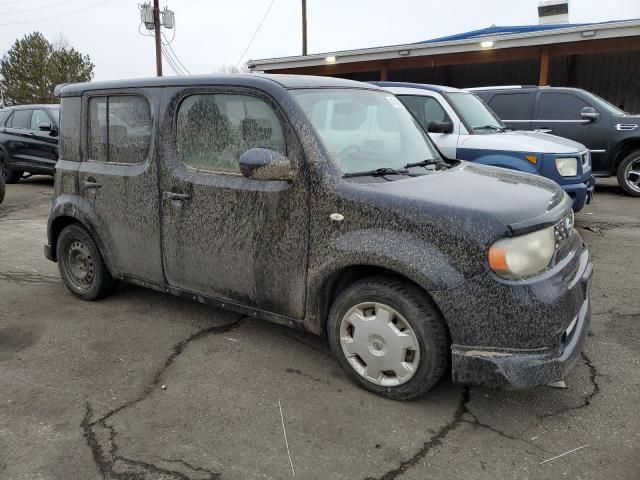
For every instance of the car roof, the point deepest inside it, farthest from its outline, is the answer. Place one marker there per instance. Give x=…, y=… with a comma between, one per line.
x=421, y=86
x=520, y=88
x=35, y=105
x=248, y=79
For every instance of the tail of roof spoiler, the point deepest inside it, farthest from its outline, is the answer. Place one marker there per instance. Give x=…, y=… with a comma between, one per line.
x=56, y=90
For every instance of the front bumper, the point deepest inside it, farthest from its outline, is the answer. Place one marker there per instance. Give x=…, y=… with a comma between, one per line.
x=520, y=334
x=581, y=193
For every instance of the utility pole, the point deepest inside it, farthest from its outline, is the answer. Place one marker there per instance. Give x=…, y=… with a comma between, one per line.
x=304, y=27
x=156, y=26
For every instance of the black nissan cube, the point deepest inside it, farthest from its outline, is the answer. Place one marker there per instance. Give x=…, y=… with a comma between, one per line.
x=320, y=204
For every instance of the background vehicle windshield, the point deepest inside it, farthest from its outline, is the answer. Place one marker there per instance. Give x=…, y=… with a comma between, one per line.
x=364, y=129
x=599, y=101
x=474, y=113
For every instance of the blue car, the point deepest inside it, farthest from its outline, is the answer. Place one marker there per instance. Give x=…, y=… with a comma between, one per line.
x=463, y=127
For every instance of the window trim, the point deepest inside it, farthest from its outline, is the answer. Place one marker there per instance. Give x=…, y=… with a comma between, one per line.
x=260, y=95
x=86, y=125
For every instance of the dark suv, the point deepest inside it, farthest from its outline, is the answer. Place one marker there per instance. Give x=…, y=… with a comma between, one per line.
x=28, y=140
x=612, y=136
x=320, y=204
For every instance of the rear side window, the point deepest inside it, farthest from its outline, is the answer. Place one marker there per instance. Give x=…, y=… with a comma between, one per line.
x=425, y=109
x=21, y=119
x=560, y=106
x=119, y=129
x=70, y=128
x=214, y=130
x=513, y=106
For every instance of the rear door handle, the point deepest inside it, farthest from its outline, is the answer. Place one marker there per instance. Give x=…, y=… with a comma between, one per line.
x=543, y=130
x=91, y=183
x=176, y=196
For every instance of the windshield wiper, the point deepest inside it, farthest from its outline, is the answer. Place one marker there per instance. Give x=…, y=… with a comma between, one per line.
x=376, y=172
x=489, y=127
x=429, y=161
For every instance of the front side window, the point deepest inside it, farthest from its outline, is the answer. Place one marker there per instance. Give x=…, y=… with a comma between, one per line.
x=119, y=129
x=39, y=117
x=474, y=113
x=214, y=130
x=425, y=109
x=560, y=106
x=365, y=129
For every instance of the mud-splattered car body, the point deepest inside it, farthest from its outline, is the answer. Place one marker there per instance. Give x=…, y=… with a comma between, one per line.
x=284, y=249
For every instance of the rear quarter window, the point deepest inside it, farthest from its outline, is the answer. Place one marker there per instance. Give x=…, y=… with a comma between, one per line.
x=69, y=146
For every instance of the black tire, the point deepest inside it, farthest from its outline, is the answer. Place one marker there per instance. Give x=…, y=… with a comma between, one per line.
x=633, y=159
x=10, y=176
x=75, y=241
x=418, y=310
x=1, y=189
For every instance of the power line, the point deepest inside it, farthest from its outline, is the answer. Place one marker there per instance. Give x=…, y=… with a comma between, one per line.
x=36, y=9
x=56, y=16
x=168, y=44
x=171, y=63
x=256, y=32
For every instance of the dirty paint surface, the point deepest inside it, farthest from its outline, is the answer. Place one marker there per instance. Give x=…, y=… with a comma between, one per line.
x=184, y=221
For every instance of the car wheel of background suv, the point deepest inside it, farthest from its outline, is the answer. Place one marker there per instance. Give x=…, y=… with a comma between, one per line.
x=629, y=174
x=10, y=176
x=81, y=265
x=389, y=337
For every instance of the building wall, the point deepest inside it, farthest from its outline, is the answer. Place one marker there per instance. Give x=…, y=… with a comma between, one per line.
x=615, y=76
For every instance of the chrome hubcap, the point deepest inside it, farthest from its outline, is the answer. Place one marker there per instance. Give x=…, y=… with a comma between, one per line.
x=379, y=344
x=81, y=271
x=632, y=174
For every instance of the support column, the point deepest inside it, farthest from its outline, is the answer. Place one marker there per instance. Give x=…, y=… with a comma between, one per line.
x=384, y=73
x=544, y=67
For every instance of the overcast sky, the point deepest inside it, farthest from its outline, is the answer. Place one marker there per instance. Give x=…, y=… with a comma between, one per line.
x=211, y=33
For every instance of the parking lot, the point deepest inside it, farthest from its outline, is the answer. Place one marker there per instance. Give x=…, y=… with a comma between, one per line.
x=147, y=386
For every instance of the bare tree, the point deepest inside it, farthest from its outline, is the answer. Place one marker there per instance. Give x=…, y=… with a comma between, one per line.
x=226, y=69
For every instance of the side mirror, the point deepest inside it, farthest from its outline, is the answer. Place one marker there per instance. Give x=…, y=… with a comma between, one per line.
x=440, y=127
x=589, y=113
x=265, y=164
x=45, y=127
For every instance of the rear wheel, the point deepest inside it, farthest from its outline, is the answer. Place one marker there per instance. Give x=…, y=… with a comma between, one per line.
x=9, y=176
x=629, y=174
x=81, y=265
x=389, y=337
x=1, y=188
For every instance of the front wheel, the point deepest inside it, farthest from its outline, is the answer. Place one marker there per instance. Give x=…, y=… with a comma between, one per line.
x=9, y=176
x=629, y=174
x=81, y=265
x=389, y=337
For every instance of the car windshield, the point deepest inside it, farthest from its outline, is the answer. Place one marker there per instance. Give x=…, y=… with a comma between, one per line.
x=474, y=113
x=365, y=129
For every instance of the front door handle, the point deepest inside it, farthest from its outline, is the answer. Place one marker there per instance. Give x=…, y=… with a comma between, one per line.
x=91, y=183
x=176, y=196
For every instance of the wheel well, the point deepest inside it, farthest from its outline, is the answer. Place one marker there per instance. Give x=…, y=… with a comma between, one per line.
x=56, y=227
x=341, y=279
x=625, y=149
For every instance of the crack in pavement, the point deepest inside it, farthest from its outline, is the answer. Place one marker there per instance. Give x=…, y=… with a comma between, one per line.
x=113, y=465
x=586, y=400
x=26, y=278
x=463, y=409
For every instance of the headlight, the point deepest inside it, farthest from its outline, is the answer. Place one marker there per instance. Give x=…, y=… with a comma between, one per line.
x=523, y=256
x=568, y=167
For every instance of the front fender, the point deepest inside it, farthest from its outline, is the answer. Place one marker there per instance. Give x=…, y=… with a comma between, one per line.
x=78, y=209
x=398, y=252
x=510, y=160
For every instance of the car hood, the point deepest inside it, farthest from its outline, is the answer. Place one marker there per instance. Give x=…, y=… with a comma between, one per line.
x=520, y=141
x=490, y=197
